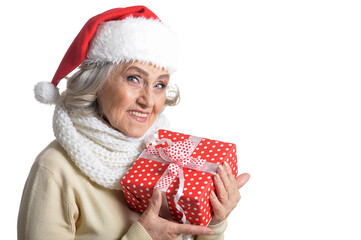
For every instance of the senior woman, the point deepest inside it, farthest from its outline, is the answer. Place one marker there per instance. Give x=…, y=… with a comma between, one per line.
x=112, y=103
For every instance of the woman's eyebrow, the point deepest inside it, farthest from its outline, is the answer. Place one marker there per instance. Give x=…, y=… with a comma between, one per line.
x=166, y=76
x=141, y=71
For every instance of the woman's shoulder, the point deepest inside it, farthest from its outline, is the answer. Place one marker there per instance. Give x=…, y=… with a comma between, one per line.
x=55, y=160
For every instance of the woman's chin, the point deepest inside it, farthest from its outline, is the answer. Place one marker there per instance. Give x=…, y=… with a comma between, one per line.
x=135, y=132
x=136, y=135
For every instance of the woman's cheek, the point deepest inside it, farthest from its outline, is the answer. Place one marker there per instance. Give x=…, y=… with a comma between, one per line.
x=161, y=101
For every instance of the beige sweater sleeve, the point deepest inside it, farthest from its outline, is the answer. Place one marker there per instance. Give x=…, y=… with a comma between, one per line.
x=44, y=211
x=218, y=232
x=48, y=212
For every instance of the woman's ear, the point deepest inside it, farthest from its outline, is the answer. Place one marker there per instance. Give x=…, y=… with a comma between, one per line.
x=97, y=105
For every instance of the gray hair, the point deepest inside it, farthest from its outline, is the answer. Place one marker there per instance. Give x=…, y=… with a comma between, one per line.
x=82, y=86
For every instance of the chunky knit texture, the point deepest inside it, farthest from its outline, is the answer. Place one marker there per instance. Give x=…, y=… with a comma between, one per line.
x=99, y=151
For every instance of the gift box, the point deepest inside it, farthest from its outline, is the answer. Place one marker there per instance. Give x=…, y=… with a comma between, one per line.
x=182, y=166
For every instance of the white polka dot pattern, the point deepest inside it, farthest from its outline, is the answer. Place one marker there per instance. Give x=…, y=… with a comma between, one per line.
x=178, y=155
x=138, y=183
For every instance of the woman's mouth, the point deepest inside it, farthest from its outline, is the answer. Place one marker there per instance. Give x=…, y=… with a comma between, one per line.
x=139, y=116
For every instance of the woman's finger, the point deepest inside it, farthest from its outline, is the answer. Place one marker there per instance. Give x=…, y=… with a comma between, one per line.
x=233, y=191
x=155, y=202
x=242, y=179
x=221, y=191
x=224, y=176
x=188, y=229
x=228, y=169
x=216, y=204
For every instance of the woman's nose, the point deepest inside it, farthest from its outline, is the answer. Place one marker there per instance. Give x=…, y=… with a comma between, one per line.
x=146, y=98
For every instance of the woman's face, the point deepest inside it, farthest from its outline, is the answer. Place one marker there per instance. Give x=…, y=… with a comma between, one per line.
x=132, y=98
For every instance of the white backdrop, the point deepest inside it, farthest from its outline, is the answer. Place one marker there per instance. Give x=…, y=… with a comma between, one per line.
x=281, y=79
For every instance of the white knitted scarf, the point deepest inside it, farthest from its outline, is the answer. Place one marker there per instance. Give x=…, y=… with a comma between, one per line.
x=99, y=151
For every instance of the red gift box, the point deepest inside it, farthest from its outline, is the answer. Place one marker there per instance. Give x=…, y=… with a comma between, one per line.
x=193, y=201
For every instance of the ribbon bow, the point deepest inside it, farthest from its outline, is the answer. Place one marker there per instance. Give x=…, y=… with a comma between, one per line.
x=178, y=155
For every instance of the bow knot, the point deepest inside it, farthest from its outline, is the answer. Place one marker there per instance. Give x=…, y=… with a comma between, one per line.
x=178, y=154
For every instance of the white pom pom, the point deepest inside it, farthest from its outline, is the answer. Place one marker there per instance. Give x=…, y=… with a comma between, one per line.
x=46, y=92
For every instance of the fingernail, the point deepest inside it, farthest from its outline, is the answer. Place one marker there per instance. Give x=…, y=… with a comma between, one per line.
x=221, y=168
x=213, y=194
x=226, y=164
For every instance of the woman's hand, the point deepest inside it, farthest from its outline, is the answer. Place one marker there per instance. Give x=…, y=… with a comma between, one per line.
x=227, y=188
x=161, y=229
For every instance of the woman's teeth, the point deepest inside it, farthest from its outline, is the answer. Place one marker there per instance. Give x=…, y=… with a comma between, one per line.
x=138, y=114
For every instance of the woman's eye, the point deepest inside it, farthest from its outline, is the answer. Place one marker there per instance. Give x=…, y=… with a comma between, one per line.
x=160, y=85
x=132, y=79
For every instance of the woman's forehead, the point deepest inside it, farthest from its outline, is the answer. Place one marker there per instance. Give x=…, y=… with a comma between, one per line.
x=141, y=67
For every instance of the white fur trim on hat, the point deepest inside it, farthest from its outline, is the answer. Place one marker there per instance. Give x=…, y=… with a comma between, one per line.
x=135, y=39
x=46, y=92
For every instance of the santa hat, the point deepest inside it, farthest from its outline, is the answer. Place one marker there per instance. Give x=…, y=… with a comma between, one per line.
x=118, y=35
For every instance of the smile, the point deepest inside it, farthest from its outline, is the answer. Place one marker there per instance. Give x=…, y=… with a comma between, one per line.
x=138, y=114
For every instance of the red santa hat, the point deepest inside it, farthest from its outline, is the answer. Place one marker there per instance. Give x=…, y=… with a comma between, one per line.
x=118, y=35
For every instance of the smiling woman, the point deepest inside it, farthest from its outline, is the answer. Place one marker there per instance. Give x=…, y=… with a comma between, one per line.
x=112, y=104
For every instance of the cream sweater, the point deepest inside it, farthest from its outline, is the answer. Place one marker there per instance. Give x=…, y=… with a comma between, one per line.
x=59, y=202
